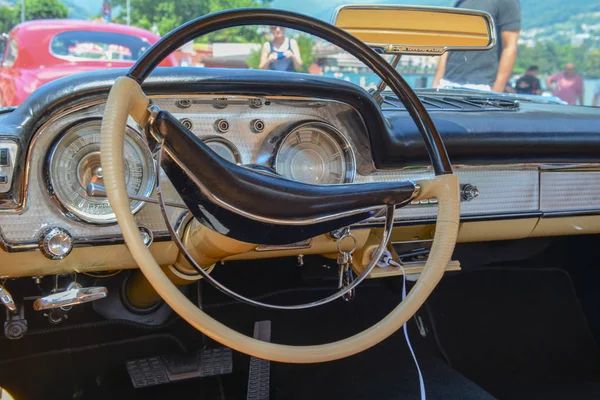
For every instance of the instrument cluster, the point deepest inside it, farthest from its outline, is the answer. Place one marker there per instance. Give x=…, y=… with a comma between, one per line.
x=315, y=153
x=292, y=138
x=74, y=163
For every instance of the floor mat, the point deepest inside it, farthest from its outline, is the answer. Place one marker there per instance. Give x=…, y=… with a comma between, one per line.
x=517, y=333
x=385, y=371
x=80, y=372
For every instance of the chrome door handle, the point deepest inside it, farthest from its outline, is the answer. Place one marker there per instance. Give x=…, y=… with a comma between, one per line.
x=75, y=294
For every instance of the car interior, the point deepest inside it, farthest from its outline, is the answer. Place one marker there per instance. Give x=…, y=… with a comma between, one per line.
x=250, y=234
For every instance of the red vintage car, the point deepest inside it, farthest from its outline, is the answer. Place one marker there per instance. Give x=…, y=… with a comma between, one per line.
x=37, y=52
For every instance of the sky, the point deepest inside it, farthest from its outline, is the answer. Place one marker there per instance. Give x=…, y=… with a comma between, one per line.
x=323, y=9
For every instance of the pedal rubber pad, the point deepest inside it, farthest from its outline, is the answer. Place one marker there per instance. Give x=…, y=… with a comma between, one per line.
x=170, y=368
x=147, y=372
x=259, y=378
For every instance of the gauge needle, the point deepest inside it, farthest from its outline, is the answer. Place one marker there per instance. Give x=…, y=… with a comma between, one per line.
x=96, y=190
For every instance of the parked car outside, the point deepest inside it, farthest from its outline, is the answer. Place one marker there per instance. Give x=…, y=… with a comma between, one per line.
x=37, y=52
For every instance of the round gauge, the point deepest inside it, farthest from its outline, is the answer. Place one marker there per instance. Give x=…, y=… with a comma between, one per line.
x=315, y=153
x=224, y=148
x=74, y=163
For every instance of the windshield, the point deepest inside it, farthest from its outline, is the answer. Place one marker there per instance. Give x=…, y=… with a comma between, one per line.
x=546, y=49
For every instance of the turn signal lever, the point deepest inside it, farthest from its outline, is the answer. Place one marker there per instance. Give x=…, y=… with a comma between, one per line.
x=75, y=294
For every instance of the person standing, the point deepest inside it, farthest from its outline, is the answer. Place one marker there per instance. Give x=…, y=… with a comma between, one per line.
x=280, y=54
x=484, y=70
x=567, y=85
x=596, y=95
x=529, y=83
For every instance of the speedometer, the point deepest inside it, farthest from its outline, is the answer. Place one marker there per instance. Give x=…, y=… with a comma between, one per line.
x=316, y=153
x=74, y=162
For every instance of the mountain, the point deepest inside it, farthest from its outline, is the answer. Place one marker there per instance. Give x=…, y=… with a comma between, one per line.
x=534, y=13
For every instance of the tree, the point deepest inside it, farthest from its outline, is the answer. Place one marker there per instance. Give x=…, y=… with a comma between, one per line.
x=41, y=9
x=592, y=64
x=305, y=45
x=169, y=14
x=7, y=20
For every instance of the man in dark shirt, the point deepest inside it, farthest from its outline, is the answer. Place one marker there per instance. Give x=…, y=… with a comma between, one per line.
x=529, y=83
x=486, y=70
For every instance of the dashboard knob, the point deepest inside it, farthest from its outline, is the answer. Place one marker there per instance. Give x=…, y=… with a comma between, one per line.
x=56, y=243
x=468, y=192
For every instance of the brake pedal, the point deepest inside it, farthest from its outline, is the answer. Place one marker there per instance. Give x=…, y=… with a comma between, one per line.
x=260, y=370
x=153, y=371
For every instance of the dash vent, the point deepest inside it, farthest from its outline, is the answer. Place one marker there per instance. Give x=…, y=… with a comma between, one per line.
x=454, y=103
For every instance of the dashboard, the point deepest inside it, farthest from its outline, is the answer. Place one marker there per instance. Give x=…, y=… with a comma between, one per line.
x=312, y=139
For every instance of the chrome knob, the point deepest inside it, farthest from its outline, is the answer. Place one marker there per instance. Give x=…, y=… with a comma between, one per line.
x=147, y=235
x=7, y=299
x=56, y=243
x=468, y=192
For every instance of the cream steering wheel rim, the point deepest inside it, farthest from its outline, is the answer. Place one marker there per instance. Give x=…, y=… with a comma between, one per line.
x=127, y=98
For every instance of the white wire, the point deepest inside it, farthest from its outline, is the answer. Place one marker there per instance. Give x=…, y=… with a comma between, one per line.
x=390, y=261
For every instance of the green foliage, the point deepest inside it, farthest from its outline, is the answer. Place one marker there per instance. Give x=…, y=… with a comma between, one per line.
x=41, y=9
x=34, y=9
x=169, y=14
x=7, y=19
x=551, y=57
x=592, y=63
x=306, y=44
x=253, y=59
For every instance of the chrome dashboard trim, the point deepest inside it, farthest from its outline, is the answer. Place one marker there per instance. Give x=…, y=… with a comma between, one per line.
x=77, y=242
x=470, y=218
x=275, y=221
x=304, y=244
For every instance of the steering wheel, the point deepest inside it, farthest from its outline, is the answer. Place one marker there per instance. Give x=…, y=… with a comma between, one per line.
x=303, y=210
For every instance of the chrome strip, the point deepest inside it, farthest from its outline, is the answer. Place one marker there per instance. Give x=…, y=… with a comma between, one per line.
x=304, y=244
x=276, y=221
x=77, y=242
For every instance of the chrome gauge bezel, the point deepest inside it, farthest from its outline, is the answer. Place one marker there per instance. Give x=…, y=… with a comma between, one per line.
x=71, y=210
x=218, y=139
x=330, y=130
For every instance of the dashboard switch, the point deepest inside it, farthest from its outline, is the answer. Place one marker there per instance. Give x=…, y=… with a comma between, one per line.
x=3, y=179
x=468, y=192
x=56, y=243
x=4, y=157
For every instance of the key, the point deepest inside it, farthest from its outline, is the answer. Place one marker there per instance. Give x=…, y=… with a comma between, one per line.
x=345, y=274
x=342, y=261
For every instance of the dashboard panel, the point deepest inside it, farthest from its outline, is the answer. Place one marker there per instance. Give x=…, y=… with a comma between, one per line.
x=308, y=139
